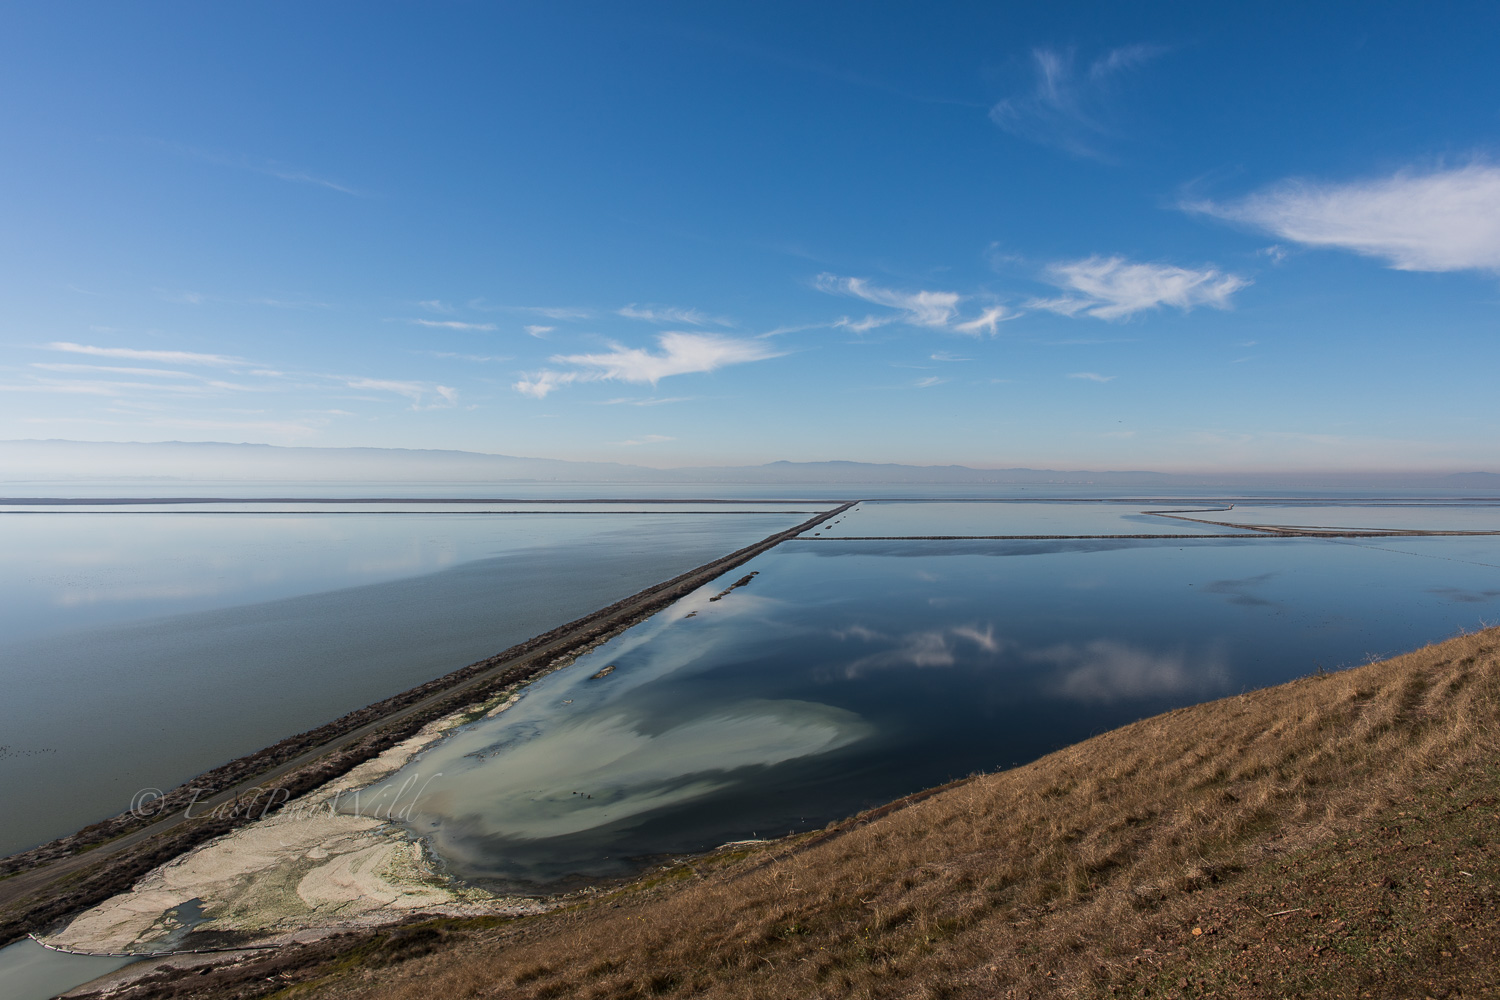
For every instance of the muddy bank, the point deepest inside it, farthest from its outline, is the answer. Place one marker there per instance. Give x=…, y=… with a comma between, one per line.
x=314, y=865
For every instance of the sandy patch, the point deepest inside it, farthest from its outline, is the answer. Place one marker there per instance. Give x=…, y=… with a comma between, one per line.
x=302, y=866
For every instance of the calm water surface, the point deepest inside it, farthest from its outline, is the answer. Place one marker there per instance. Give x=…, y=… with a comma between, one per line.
x=848, y=673
x=140, y=649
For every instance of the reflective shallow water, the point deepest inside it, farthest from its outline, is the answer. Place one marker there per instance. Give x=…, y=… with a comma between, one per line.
x=30, y=972
x=846, y=674
x=991, y=517
x=137, y=650
x=1379, y=516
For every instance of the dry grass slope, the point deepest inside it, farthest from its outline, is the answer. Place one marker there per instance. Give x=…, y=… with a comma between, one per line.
x=1155, y=860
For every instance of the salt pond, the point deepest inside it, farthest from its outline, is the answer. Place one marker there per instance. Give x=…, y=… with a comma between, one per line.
x=139, y=649
x=849, y=673
x=843, y=674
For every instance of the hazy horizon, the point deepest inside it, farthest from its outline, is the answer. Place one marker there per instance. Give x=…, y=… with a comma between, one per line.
x=1071, y=236
x=61, y=461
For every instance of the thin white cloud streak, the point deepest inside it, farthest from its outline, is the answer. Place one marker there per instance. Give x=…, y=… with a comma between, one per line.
x=800, y=327
x=987, y=322
x=670, y=314
x=680, y=354
x=417, y=392
x=302, y=177
x=1067, y=109
x=1093, y=376
x=423, y=395
x=646, y=439
x=929, y=381
x=166, y=357
x=452, y=324
x=184, y=298
x=539, y=331
x=931, y=309
x=863, y=325
x=108, y=387
x=63, y=366
x=1445, y=220
x=269, y=168
x=454, y=356
x=1113, y=288
x=288, y=304
x=558, y=312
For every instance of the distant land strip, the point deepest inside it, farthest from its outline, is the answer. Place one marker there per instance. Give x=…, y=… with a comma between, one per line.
x=103, y=501
x=47, y=883
x=1249, y=532
x=411, y=513
x=1341, y=501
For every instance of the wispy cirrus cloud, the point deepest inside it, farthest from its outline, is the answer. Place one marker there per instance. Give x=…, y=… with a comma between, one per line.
x=862, y=325
x=1092, y=376
x=1070, y=108
x=65, y=366
x=1442, y=220
x=679, y=354
x=120, y=387
x=455, y=356
x=558, y=312
x=269, y=168
x=987, y=321
x=452, y=324
x=935, y=310
x=538, y=331
x=646, y=439
x=165, y=357
x=671, y=314
x=1115, y=288
x=924, y=308
x=170, y=383
x=426, y=395
x=644, y=401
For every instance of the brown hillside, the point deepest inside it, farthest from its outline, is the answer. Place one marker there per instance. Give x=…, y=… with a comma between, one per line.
x=1329, y=837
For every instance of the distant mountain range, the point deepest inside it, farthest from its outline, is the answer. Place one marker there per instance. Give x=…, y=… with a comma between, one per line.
x=176, y=461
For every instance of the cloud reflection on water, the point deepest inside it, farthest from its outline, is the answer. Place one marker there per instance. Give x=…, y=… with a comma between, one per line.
x=1098, y=670
x=1105, y=670
x=925, y=648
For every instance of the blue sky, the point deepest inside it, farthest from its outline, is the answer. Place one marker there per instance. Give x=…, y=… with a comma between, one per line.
x=1171, y=236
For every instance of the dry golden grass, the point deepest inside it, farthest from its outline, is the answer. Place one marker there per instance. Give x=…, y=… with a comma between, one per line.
x=1081, y=874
